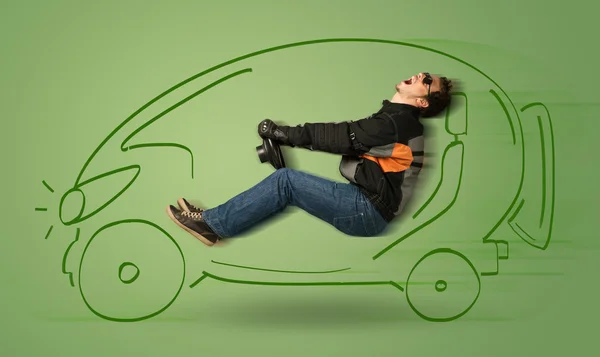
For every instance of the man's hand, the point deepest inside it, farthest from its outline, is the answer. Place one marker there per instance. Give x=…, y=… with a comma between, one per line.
x=268, y=129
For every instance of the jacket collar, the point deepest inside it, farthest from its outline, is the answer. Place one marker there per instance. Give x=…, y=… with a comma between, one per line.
x=388, y=106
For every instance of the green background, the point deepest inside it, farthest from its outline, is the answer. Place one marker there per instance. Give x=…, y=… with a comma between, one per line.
x=72, y=71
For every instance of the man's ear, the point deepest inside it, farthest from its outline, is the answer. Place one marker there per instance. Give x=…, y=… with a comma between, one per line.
x=422, y=102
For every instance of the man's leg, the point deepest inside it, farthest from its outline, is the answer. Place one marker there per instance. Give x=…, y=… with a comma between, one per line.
x=341, y=205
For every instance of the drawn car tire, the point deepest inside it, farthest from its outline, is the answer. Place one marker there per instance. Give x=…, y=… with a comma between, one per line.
x=155, y=276
x=442, y=286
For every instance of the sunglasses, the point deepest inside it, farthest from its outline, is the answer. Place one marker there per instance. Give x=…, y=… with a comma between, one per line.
x=427, y=80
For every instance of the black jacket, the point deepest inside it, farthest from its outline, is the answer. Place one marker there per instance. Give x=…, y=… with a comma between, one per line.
x=381, y=154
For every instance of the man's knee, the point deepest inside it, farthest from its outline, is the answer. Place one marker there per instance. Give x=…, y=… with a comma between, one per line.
x=284, y=173
x=288, y=178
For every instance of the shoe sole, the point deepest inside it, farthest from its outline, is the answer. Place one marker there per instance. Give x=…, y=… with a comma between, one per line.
x=195, y=234
x=182, y=205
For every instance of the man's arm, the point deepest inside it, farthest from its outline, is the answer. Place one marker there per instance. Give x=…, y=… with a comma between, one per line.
x=334, y=138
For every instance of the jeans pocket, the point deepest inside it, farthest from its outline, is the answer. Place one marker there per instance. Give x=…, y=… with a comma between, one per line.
x=351, y=225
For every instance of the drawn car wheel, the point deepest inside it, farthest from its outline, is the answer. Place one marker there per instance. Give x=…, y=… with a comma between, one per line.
x=442, y=286
x=130, y=271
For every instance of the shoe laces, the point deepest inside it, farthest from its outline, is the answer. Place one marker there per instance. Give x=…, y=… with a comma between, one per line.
x=193, y=215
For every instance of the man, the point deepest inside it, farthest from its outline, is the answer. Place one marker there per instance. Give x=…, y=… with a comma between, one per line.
x=381, y=158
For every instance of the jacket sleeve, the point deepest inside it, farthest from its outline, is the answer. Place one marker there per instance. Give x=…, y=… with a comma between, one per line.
x=337, y=138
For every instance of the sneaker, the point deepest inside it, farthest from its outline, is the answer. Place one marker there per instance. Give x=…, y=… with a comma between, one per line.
x=193, y=223
x=186, y=206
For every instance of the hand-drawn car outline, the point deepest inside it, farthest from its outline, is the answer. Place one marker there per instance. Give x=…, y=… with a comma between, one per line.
x=538, y=237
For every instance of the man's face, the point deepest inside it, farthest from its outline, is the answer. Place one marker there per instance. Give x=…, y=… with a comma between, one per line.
x=419, y=85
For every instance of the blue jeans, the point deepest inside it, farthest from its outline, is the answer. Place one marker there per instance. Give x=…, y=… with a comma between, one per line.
x=340, y=204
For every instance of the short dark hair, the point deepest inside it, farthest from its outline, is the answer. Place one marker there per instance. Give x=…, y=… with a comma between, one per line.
x=439, y=100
